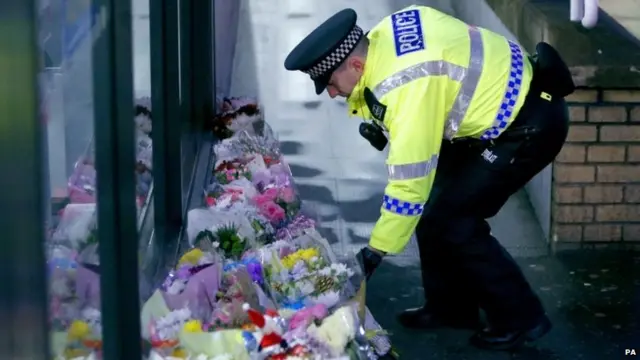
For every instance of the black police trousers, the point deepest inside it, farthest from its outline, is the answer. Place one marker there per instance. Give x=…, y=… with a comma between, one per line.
x=463, y=266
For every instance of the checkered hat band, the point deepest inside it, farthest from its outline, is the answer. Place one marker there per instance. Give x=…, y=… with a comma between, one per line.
x=337, y=56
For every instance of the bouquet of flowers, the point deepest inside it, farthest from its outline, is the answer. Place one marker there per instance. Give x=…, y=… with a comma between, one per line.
x=62, y=269
x=237, y=113
x=224, y=196
x=84, y=336
x=165, y=332
x=229, y=171
x=305, y=274
x=227, y=230
x=225, y=239
x=82, y=182
x=77, y=227
x=297, y=227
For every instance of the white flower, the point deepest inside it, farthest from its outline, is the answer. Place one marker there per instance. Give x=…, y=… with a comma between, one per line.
x=183, y=314
x=325, y=271
x=60, y=287
x=223, y=357
x=306, y=287
x=215, y=244
x=176, y=287
x=336, y=330
x=329, y=299
x=339, y=267
x=207, y=258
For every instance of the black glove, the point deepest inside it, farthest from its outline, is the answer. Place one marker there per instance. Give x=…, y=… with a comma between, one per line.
x=369, y=261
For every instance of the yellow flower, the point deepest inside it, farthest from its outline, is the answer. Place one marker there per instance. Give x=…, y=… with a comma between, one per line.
x=78, y=330
x=290, y=260
x=192, y=257
x=180, y=353
x=305, y=255
x=308, y=254
x=193, y=326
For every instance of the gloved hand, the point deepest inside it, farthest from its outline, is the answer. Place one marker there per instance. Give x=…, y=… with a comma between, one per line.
x=369, y=261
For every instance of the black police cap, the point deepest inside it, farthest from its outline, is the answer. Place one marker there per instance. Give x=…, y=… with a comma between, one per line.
x=326, y=48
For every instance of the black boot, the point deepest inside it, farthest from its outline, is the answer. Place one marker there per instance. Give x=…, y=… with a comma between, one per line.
x=425, y=318
x=503, y=340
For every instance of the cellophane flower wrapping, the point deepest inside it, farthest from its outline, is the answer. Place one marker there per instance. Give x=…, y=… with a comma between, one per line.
x=62, y=270
x=77, y=226
x=82, y=182
x=226, y=231
x=194, y=283
x=300, y=273
x=236, y=114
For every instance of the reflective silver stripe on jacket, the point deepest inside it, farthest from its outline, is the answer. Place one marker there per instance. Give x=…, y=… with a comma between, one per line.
x=467, y=76
x=412, y=171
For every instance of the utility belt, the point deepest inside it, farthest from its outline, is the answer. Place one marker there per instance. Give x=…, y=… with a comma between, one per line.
x=551, y=79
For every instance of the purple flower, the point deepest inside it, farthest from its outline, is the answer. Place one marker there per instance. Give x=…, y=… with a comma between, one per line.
x=183, y=272
x=254, y=268
x=261, y=178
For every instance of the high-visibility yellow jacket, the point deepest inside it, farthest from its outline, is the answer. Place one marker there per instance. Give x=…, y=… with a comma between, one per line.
x=428, y=77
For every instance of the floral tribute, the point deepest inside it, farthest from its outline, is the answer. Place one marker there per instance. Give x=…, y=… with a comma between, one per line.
x=258, y=281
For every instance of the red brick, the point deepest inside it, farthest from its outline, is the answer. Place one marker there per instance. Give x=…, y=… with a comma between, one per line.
x=623, y=96
x=633, y=153
x=607, y=114
x=618, y=213
x=632, y=193
x=602, y=194
x=606, y=153
x=568, y=233
x=582, y=133
x=583, y=96
x=602, y=232
x=567, y=194
x=634, y=114
x=631, y=232
x=618, y=173
x=573, y=173
x=577, y=113
x=572, y=154
x=620, y=133
x=573, y=213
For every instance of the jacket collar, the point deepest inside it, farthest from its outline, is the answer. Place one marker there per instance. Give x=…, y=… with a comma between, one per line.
x=357, y=105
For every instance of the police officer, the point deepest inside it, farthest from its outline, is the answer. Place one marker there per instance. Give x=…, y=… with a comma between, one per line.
x=470, y=118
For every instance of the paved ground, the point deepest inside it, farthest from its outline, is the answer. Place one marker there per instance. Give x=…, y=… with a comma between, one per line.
x=588, y=295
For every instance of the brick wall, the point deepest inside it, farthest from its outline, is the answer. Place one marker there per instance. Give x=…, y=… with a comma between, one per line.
x=596, y=177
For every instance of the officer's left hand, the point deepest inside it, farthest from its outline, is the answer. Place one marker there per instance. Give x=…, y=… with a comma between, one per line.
x=369, y=260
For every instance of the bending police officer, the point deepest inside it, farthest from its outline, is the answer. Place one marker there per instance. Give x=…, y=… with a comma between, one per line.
x=469, y=119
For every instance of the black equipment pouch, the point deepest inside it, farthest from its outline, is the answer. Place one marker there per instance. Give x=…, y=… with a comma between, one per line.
x=374, y=134
x=551, y=73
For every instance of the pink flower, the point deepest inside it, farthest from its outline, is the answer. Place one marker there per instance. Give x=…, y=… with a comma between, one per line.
x=287, y=195
x=305, y=316
x=211, y=201
x=271, y=193
x=272, y=211
x=260, y=200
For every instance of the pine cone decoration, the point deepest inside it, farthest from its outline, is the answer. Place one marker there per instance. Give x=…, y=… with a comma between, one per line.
x=323, y=284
